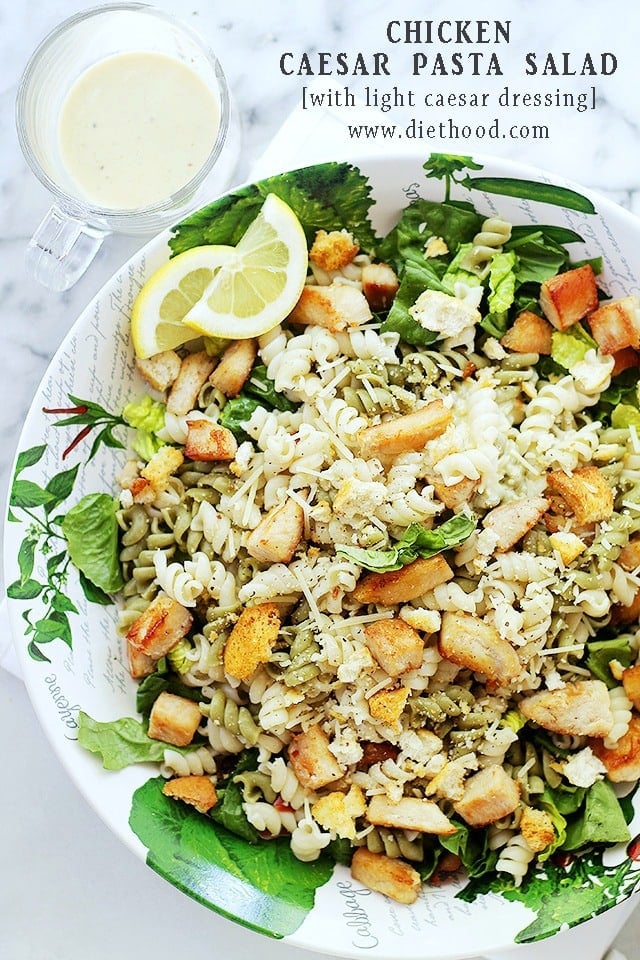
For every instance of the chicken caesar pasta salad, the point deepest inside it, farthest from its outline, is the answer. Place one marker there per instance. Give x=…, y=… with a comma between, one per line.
x=381, y=561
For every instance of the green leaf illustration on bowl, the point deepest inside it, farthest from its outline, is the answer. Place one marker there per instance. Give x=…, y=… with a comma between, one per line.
x=266, y=888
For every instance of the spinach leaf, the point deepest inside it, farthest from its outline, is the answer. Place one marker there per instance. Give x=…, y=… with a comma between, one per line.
x=91, y=530
x=472, y=846
x=600, y=653
x=415, y=542
x=601, y=821
x=236, y=413
x=228, y=810
x=261, y=388
x=418, y=277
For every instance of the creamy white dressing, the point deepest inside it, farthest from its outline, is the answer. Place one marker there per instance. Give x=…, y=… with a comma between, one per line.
x=136, y=127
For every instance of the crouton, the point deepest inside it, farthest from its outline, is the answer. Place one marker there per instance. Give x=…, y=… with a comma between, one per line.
x=570, y=296
x=379, y=285
x=154, y=477
x=278, y=534
x=196, y=790
x=391, y=877
x=387, y=705
x=140, y=664
x=624, y=360
x=585, y=492
x=338, y=811
x=396, y=646
x=313, y=763
x=469, y=642
x=622, y=761
x=529, y=334
x=398, y=586
x=160, y=370
x=580, y=708
x=403, y=434
x=337, y=307
x=163, y=624
x=615, y=325
x=333, y=250
x=631, y=684
x=409, y=813
x=455, y=495
x=174, y=719
x=510, y=521
x=235, y=366
x=208, y=442
x=568, y=545
x=195, y=370
x=621, y=614
x=376, y=753
x=489, y=795
x=629, y=558
x=536, y=827
x=250, y=642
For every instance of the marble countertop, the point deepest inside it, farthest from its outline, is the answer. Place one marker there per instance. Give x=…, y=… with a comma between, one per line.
x=72, y=890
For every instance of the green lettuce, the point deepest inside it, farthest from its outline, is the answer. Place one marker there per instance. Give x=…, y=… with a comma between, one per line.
x=418, y=277
x=260, y=387
x=600, y=821
x=228, y=811
x=600, y=653
x=91, y=530
x=145, y=415
x=415, y=542
x=625, y=415
x=472, y=846
x=502, y=288
x=422, y=219
x=236, y=413
x=120, y=743
x=570, y=346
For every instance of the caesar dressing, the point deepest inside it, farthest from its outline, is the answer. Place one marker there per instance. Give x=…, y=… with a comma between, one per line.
x=135, y=128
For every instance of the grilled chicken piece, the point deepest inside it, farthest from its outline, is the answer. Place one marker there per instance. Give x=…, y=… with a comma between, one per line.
x=489, y=795
x=580, y=708
x=174, y=719
x=396, y=646
x=337, y=307
x=622, y=761
x=510, y=521
x=403, y=434
x=391, y=877
x=470, y=642
x=209, y=442
x=570, y=296
x=160, y=627
x=313, y=763
x=195, y=370
x=278, y=534
x=235, y=366
x=379, y=285
x=409, y=813
x=397, y=586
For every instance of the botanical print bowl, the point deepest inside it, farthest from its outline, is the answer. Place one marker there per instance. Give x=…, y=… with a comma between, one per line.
x=73, y=658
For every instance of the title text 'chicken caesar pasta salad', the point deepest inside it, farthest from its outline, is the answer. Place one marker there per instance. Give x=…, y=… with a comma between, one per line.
x=380, y=561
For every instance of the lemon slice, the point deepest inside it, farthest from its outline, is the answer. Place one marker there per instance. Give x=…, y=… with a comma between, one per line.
x=258, y=287
x=159, y=309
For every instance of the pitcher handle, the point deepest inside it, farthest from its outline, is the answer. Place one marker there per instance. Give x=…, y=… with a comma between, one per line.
x=61, y=249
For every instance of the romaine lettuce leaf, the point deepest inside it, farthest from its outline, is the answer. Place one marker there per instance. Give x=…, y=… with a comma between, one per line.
x=600, y=653
x=145, y=415
x=569, y=347
x=502, y=288
x=624, y=416
x=119, y=743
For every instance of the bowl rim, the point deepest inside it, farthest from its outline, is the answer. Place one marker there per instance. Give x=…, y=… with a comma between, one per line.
x=607, y=208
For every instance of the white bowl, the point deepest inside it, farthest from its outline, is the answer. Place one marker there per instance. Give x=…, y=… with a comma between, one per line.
x=73, y=658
